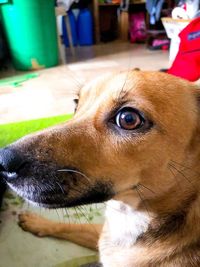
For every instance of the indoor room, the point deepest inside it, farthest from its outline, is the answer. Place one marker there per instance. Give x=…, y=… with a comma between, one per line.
x=99, y=133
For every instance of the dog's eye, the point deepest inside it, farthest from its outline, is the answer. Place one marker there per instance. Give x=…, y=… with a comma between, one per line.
x=128, y=119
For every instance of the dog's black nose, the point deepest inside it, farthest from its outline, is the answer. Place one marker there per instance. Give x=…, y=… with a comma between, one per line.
x=10, y=162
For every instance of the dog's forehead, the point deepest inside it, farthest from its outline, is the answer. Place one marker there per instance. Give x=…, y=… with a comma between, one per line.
x=155, y=87
x=109, y=84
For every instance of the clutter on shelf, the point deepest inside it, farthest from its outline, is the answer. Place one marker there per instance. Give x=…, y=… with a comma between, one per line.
x=185, y=9
x=182, y=14
x=154, y=8
x=80, y=21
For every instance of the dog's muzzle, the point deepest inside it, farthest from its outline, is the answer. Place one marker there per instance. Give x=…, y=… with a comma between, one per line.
x=42, y=183
x=29, y=180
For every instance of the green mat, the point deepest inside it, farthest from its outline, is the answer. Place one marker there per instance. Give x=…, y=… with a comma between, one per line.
x=17, y=80
x=13, y=131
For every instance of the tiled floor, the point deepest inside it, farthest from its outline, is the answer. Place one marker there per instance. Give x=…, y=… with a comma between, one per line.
x=48, y=95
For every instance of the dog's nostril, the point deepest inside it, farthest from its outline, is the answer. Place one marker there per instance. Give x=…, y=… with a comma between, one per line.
x=10, y=161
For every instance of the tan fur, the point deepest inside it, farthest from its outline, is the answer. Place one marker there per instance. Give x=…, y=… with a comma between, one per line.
x=164, y=160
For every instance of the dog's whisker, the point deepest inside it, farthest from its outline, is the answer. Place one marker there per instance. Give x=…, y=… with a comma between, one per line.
x=143, y=201
x=75, y=171
x=184, y=166
x=146, y=188
x=78, y=82
x=77, y=215
x=63, y=217
x=175, y=177
x=76, y=189
x=58, y=215
x=84, y=214
x=123, y=93
x=80, y=181
x=172, y=166
x=59, y=185
x=37, y=192
x=67, y=214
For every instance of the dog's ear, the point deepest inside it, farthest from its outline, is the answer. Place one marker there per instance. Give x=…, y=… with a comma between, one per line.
x=76, y=104
x=196, y=92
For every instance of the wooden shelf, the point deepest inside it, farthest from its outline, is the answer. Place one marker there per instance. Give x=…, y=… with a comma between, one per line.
x=100, y=6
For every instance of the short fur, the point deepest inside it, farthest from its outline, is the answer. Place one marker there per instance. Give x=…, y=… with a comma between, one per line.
x=151, y=173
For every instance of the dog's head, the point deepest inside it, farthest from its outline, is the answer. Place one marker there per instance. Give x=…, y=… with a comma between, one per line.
x=128, y=129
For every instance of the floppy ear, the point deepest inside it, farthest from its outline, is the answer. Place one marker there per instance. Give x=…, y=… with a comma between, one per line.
x=198, y=95
x=76, y=104
x=196, y=92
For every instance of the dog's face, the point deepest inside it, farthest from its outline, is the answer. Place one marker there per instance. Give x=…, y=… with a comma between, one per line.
x=127, y=129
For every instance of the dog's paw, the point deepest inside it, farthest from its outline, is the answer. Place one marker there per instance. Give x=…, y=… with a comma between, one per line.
x=35, y=224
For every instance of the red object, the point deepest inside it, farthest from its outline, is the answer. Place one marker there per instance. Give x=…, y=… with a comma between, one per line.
x=187, y=62
x=165, y=47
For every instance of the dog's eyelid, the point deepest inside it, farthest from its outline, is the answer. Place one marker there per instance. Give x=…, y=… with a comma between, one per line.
x=145, y=114
x=126, y=105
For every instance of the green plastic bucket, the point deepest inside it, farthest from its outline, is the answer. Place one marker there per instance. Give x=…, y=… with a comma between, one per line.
x=30, y=26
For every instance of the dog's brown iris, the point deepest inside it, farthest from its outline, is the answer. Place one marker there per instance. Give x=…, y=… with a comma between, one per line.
x=128, y=120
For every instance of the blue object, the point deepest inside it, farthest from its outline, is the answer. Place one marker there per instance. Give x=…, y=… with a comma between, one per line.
x=154, y=8
x=72, y=22
x=85, y=27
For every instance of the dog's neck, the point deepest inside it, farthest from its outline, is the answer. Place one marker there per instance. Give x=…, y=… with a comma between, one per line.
x=135, y=233
x=159, y=215
x=125, y=224
x=161, y=223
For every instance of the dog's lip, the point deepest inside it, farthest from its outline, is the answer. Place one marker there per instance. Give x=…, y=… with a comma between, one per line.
x=46, y=205
x=56, y=202
x=8, y=176
x=98, y=192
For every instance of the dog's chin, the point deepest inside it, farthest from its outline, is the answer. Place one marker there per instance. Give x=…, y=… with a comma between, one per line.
x=37, y=203
x=50, y=197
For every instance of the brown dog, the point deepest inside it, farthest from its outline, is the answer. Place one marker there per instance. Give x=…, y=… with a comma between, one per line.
x=134, y=140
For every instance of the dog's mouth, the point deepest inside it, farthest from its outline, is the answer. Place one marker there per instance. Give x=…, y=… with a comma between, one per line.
x=46, y=185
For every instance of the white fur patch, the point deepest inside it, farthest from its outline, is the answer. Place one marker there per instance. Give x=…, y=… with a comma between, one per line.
x=22, y=193
x=125, y=224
